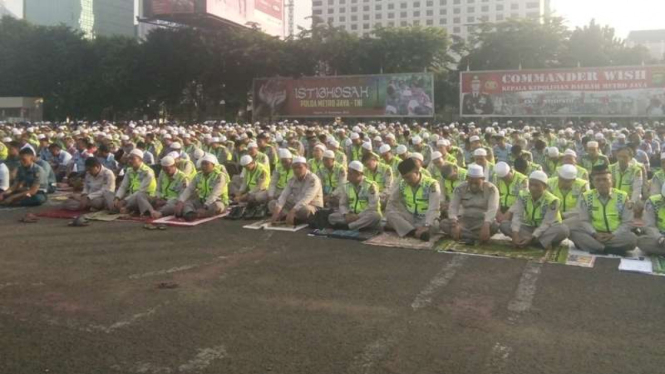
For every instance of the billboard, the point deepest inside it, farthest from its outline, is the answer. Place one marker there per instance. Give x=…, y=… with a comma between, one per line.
x=633, y=91
x=267, y=14
x=386, y=95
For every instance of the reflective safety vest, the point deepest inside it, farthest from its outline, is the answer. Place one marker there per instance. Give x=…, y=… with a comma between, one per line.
x=340, y=157
x=379, y=176
x=356, y=153
x=658, y=203
x=508, y=193
x=315, y=165
x=358, y=196
x=534, y=212
x=252, y=177
x=284, y=176
x=394, y=162
x=263, y=159
x=136, y=177
x=450, y=185
x=417, y=198
x=588, y=164
x=568, y=198
x=624, y=180
x=167, y=184
x=582, y=173
x=182, y=166
x=204, y=184
x=330, y=178
x=606, y=217
x=4, y=152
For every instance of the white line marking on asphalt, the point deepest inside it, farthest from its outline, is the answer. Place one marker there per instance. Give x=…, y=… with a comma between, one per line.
x=121, y=324
x=378, y=349
x=424, y=298
x=201, y=361
x=175, y=269
x=526, y=289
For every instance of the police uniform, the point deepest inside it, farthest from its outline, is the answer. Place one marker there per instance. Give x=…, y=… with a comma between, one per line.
x=280, y=177
x=629, y=180
x=256, y=182
x=412, y=207
x=449, y=185
x=472, y=210
x=582, y=173
x=612, y=214
x=568, y=198
x=305, y=195
x=657, y=182
x=135, y=182
x=508, y=193
x=169, y=188
x=332, y=180
x=539, y=219
x=361, y=200
x=383, y=177
x=588, y=163
x=654, y=226
x=207, y=191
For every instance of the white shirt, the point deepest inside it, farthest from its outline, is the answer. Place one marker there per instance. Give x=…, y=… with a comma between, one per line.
x=4, y=177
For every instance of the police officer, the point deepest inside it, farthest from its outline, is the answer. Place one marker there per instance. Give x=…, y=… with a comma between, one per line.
x=301, y=198
x=359, y=204
x=139, y=178
x=255, y=182
x=388, y=158
x=414, y=204
x=553, y=161
x=208, y=193
x=453, y=176
x=509, y=183
x=379, y=173
x=606, y=216
x=653, y=242
x=568, y=188
x=332, y=176
x=170, y=185
x=658, y=180
x=472, y=211
x=593, y=157
x=536, y=219
x=627, y=175
x=570, y=158
x=283, y=172
x=31, y=184
x=480, y=159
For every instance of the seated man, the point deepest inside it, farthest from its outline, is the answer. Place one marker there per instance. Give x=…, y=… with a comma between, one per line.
x=510, y=183
x=59, y=160
x=4, y=177
x=653, y=242
x=570, y=158
x=333, y=177
x=255, y=182
x=414, y=204
x=359, y=204
x=170, y=185
x=301, y=198
x=207, y=194
x=139, y=178
x=453, y=176
x=606, y=217
x=536, y=219
x=50, y=175
x=379, y=173
x=473, y=209
x=29, y=187
x=568, y=188
x=283, y=172
x=98, y=188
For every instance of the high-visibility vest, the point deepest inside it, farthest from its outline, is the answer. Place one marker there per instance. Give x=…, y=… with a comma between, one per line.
x=263, y=159
x=4, y=151
x=252, y=177
x=204, y=185
x=315, y=165
x=379, y=176
x=167, y=183
x=658, y=203
x=394, y=162
x=450, y=185
x=330, y=178
x=534, y=212
x=136, y=177
x=569, y=198
x=356, y=153
x=508, y=193
x=588, y=164
x=582, y=173
x=624, y=180
x=417, y=198
x=606, y=217
x=358, y=196
x=284, y=176
x=182, y=165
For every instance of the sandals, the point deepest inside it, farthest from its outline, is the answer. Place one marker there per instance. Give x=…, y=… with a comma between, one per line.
x=150, y=226
x=29, y=218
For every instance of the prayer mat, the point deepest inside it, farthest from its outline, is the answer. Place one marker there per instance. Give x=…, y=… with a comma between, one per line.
x=258, y=225
x=494, y=248
x=344, y=234
x=177, y=221
x=61, y=213
x=103, y=216
x=283, y=226
x=392, y=240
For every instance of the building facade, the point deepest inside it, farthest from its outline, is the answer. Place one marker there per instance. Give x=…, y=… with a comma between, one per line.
x=92, y=17
x=458, y=17
x=653, y=40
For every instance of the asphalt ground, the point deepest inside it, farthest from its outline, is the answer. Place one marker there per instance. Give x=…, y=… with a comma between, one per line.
x=86, y=300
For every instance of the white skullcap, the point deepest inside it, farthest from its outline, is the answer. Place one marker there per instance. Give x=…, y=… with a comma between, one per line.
x=378, y=139
x=167, y=136
x=480, y=152
x=347, y=142
x=198, y=153
x=168, y=161
x=6, y=140
x=367, y=146
x=284, y=153
x=474, y=138
x=252, y=145
x=621, y=136
x=357, y=166
x=436, y=155
x=124, y=137
x=173, y=154
x=553, y=152
x=329, y=154
x=390, y=136
x=568, y=172
x=418, y=156
x=214, y=140
x=384, y=148
x=501, y=169
x=210, y=158
x=137, y=152
x=416, y=140
x=354, y=136
x=334, y=143
x=570, y=152
x=599, y=136
x=539, y=176
x=300, y=160
x=41, y=136
x=246, y=160
x=434, y=138
x=320, y=146
x=401, y=149
x=443, y=142
x=475, y=171
x=592, y=144
x=176, y=145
